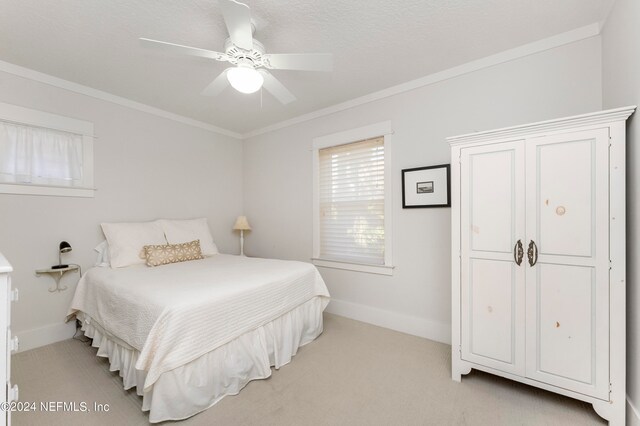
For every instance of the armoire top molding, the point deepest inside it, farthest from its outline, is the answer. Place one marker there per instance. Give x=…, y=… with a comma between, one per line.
x=600, y=117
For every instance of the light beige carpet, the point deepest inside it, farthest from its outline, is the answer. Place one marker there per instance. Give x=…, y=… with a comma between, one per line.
x=353, y=374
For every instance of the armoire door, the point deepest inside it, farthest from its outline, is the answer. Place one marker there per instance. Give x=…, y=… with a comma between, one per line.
x=567, y=267
x=492, y=243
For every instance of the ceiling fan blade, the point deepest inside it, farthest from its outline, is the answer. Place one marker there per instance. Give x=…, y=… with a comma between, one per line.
x=277, y=89
x=218, y=85
x=178, y=48
x=237, y=16
x=299, y=61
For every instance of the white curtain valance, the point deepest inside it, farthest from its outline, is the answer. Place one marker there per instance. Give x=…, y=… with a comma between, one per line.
x=37, y=155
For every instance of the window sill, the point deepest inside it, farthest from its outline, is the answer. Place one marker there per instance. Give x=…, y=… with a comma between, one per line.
x=357, y=267
x=55, y=191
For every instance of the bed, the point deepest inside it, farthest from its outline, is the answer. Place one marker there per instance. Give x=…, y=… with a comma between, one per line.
x=187, y=334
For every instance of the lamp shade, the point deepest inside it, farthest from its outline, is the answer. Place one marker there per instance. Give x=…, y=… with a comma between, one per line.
x=65, y=247
x=242, y=224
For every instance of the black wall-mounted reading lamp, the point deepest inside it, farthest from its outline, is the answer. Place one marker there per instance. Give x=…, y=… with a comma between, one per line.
x=65, y=247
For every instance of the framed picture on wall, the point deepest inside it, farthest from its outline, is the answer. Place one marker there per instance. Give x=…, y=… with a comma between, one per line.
x=426, y=187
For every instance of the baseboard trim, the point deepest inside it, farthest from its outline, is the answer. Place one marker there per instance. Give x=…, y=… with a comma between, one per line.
x=37, y=337
x=420, y=327
x=34, y=338
x=633, y=415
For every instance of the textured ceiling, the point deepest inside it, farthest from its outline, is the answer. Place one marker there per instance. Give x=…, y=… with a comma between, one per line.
x=376, y=44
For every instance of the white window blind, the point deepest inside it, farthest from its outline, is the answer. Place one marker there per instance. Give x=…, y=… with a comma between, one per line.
x=40, y=156
x=351, y=200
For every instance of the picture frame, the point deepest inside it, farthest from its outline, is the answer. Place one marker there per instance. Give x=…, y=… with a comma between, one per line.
x=424, y=187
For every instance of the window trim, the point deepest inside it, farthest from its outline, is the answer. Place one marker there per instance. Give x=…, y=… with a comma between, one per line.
x=31, y=117
x=381, y=129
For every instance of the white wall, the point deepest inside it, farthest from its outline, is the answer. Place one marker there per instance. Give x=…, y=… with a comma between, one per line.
x=621, y=86
x=146, y=167
x=416, y=299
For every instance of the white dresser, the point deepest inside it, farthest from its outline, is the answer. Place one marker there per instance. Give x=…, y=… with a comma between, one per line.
x=538, y=255
x=8, y=343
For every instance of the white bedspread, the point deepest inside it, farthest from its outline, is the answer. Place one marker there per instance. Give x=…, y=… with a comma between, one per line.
x=176, y=313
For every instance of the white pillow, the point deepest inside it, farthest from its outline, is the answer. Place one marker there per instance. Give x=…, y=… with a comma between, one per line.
x=102, y=259
x=184, y=231
x=127, y=239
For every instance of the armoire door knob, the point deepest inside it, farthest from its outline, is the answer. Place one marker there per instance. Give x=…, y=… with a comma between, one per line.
x=532, y=253
x=518, y=252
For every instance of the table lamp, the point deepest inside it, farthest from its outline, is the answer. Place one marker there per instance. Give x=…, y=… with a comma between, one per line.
x=242, y=224
x=65, y=247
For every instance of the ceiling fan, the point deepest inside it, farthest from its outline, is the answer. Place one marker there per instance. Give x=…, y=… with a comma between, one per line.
x=248, y=55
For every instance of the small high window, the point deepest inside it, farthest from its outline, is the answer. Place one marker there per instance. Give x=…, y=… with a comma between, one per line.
x=44, y=154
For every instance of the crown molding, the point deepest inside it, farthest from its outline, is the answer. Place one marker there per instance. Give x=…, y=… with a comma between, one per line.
x=558, y=40
x=594, y=118
x=98, y=94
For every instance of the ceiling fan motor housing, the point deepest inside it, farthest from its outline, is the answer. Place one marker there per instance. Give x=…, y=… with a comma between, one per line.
x=238, y=55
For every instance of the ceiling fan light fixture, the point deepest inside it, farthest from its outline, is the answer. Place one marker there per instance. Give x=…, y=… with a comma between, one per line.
x=245, y=79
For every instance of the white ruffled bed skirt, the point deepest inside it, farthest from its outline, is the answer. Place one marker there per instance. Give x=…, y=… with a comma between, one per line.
x=196, y=386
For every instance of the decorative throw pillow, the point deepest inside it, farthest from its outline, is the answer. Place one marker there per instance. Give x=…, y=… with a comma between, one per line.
x=164, y=254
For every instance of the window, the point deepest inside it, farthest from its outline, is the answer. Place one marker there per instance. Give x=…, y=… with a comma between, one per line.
x=351, y=200
x=44, y=154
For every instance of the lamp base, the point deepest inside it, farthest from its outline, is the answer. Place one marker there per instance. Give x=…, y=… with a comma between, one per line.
x=59, y=266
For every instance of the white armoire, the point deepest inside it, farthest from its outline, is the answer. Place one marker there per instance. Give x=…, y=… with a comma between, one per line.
x=538, y=256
